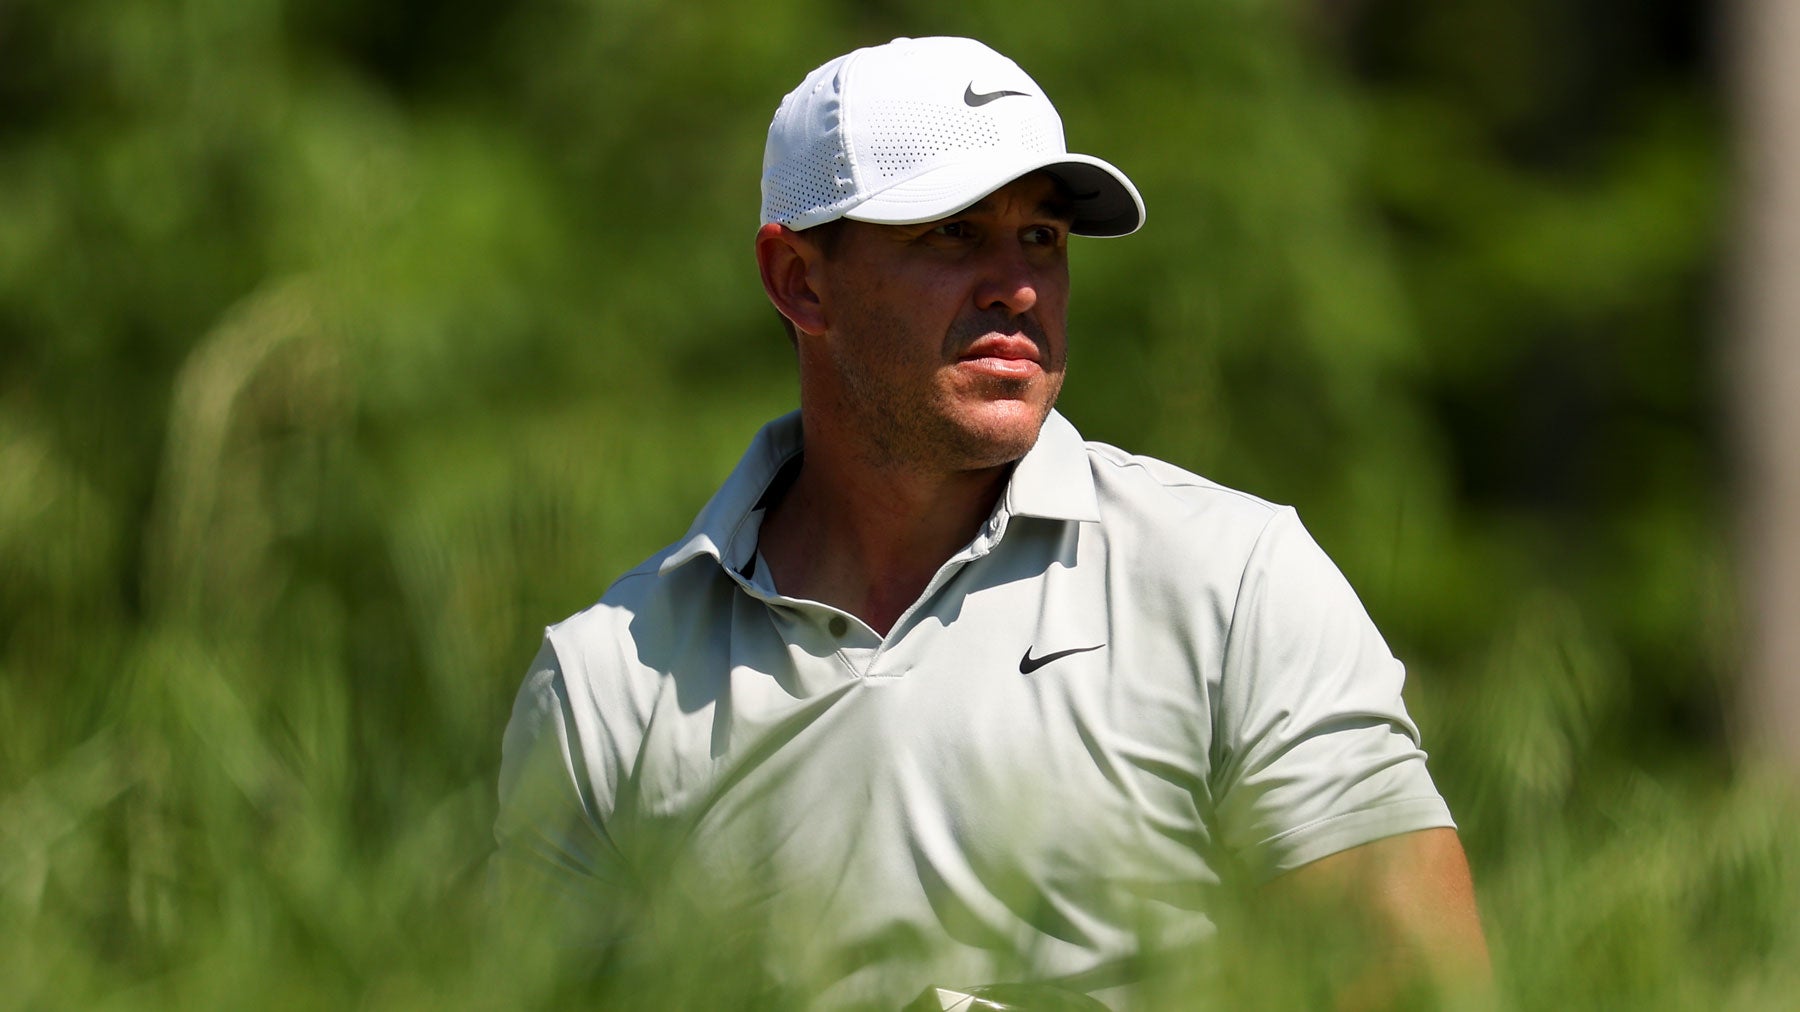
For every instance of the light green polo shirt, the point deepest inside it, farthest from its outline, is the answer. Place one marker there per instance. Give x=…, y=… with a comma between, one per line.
x=1132, y=684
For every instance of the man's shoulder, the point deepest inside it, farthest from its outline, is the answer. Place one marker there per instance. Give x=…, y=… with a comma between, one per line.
x=632, y=594
x=1176, y=529
x=1134, y=485
x=687, y=580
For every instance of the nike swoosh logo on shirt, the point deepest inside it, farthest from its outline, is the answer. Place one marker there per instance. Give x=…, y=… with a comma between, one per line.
x=971, y=97
x=1028, y=663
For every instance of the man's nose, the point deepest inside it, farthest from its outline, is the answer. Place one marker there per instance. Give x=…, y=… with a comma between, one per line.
x=1009, y=282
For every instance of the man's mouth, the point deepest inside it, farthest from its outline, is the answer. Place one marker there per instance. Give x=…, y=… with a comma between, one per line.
x=1011, y=358
x=1015, y=348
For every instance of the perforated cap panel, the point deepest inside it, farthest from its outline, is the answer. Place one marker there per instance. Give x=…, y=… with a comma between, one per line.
x=904, y=137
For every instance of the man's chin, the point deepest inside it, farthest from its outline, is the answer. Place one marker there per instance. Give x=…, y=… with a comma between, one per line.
x=1000, y=432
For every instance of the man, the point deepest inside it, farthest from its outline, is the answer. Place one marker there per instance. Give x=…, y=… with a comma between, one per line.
x=957, y=695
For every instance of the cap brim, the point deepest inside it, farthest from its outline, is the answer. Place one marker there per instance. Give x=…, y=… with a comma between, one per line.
x=1105, y=202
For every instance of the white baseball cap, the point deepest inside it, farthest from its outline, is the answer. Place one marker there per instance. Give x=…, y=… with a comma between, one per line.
x=919, y=129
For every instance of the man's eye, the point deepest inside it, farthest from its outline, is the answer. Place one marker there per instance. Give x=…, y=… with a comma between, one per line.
x=1042, y=235
x=955, y=230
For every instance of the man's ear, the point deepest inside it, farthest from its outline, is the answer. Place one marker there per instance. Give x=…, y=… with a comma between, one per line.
x=787, y=261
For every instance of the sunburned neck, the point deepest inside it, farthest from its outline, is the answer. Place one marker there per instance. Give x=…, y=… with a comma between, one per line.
x=869, y=540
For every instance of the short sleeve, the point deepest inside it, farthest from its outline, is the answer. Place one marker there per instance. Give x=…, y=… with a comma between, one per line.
x=1314, y=752
x=554, y=854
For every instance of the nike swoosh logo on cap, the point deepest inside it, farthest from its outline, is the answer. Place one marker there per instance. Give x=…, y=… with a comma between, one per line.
x=974, y=98
x=1028, y=663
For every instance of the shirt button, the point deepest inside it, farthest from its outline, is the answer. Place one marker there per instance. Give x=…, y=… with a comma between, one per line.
x=838, y=626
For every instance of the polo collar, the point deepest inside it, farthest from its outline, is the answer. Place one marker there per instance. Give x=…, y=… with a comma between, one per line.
x=1054, y=479
x=1051, y=481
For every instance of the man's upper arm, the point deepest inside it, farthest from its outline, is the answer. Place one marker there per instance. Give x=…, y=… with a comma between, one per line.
x=1322, y=784
x=1314, y=751
x=1410, y=901
x=554, y=850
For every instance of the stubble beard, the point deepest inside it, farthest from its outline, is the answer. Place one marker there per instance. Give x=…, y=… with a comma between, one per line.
x=927, y=428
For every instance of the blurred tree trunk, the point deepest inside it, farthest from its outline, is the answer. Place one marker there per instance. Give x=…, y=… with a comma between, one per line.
x=1765, y=62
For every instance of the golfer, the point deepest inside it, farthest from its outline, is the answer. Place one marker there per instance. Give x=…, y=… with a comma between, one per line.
x=934, y=689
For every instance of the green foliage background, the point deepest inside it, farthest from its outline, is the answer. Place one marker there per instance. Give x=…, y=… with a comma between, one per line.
x=343, y=346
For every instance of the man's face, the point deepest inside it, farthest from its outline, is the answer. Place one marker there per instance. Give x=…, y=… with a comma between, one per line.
x=945, y=342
